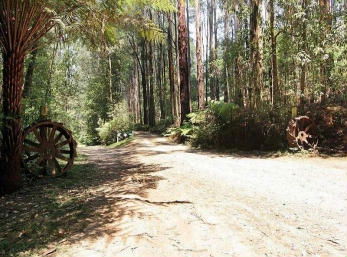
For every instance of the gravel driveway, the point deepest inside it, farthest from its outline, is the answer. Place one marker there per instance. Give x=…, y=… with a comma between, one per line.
x=195, y=203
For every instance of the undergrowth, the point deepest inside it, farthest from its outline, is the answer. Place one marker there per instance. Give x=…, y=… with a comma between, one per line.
x=226, y=126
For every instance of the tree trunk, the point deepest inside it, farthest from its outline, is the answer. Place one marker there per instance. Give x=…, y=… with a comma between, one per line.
x=163, y=77
x=136, y=94
x=133, y=94
x=215, y=31
x=177, y=77
x=303, y=65
x=212, y=50
x=138, y=69
x=144, y=84
x=160, y=83
x=325, y=66
x=189, y=57
x=110, y=78
x=256, y=58
x=29, y=74
x=274, y=70
x=151, y=109
x=207, y=66
x=199, y=65
x=171, y=70
x=183, y=60
x=227, y=95
x=13, y=74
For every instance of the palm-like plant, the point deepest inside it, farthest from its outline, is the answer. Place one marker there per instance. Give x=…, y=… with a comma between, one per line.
x=22, y=24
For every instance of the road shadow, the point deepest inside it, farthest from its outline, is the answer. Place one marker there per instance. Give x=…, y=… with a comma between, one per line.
x=90, y=202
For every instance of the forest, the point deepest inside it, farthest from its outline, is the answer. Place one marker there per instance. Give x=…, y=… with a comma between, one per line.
x=230, y=73
x=251, y=77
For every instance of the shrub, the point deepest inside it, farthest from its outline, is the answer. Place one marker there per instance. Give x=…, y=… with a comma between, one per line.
x=120, y=124
x=180, y=134
x=141, y=127
x=225, y=125
x=161, y=126
x=110, y=131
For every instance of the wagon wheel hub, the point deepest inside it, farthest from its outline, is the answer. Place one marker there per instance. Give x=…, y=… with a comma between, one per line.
x=302, y=133
x=50, y=151
x=302, y=137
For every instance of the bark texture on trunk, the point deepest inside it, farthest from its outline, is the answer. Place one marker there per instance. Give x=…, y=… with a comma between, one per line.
x=151, y=109
x=183, y=60
x=160, y=81
x=173, y=96
x=303, y=65
x=13, y=74
x=29, y=74
x=256, y=58
x=110, y=75
x=212, y=45
x=226, y=68
x=144, y=84
x=325, y=68
x=274, y=70
x=199, y=65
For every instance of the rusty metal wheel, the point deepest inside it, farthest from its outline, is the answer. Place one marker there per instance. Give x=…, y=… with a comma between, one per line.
x=302, y=133
x=49, y=149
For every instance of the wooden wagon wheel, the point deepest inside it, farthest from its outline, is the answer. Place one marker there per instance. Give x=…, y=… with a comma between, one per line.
x=49, y=149
x=302, y=133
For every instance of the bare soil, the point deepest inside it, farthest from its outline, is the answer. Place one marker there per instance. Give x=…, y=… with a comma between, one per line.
x=164, y=199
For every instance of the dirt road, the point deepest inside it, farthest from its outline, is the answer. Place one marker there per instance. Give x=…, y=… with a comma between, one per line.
x=172, y=201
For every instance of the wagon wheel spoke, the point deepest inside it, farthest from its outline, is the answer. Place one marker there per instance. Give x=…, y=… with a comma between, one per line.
x=52, y=134
x=61, y=144
x=28, y=148
x=54, y=167
x=308, y=127
x=31, y=146
x=65, y=151
x=56, y=140
x=31, y=143
x=43, y=133
x=57, y=165
x=62, y=157
x=37, y=135
x=32, y=157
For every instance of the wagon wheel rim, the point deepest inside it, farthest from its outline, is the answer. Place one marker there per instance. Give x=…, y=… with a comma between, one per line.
x=49, y=149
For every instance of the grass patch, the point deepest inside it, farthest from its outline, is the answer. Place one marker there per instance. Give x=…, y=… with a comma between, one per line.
x=122, y=143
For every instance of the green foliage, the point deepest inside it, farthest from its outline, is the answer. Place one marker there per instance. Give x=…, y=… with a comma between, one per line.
x=180, y=134
x=161, y=126
x=222, y=111
x=141, y=127
x=197, y=117
x=120, y=123
x=225, y=125
x=109, y=131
